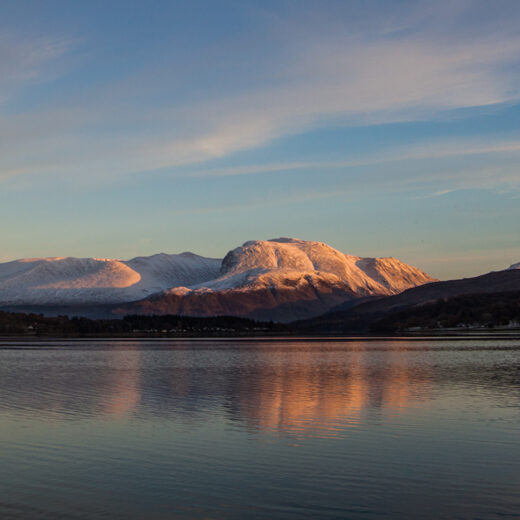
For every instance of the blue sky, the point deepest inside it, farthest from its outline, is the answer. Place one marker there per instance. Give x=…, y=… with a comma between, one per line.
x=382, y=128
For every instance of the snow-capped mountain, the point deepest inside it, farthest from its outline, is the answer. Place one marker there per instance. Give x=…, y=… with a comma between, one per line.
x=67, y=280
x=279, y=279
x=284, y=279
x=266, y=261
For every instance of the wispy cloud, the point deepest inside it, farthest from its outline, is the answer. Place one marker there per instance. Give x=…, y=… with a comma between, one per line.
x=432, y=149
x=329, y=73
x=25, y=60
x=455, y=164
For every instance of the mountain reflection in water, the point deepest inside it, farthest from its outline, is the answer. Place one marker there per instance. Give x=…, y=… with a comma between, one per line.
x=284, y=389
x=299, y=394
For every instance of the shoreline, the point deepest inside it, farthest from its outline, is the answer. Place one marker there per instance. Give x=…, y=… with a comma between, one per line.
x=426, y=336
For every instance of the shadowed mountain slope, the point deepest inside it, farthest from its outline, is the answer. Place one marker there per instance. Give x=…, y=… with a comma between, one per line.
x=360, y=317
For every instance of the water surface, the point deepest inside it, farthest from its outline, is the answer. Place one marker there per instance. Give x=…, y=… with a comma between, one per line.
x=219, y=429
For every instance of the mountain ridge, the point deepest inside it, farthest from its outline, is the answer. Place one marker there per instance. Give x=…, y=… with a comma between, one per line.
x=282, y=279
x=61, y=280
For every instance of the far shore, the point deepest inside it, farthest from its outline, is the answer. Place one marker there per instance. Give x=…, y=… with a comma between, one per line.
x=474, y=334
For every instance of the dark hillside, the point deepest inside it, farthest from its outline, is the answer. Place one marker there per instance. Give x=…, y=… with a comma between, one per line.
x=361, y=317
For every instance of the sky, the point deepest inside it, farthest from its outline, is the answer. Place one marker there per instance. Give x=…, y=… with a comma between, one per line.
x=383, y=128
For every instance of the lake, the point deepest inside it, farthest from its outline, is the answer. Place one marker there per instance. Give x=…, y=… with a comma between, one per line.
x=260, y=429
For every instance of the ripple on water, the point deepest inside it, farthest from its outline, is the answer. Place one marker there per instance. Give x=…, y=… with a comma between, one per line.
x=226, y=429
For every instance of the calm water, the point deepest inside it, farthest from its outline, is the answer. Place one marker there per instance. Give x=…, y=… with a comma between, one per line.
x=260, y=429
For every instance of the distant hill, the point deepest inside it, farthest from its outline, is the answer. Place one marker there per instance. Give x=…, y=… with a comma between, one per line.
x=465, y=311
x=363, y=317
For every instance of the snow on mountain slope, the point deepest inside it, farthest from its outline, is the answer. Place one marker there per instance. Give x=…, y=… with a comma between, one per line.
x=365, y=276
x=515, y=266
x=284, y=279
x=281, y=279
x=67, y=280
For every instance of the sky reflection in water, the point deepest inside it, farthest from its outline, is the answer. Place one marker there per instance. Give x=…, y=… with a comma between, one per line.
x=198, y=429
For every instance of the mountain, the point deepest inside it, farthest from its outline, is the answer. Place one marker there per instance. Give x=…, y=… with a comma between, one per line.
x=87, y=281
x=361, y=317
x=283, y=279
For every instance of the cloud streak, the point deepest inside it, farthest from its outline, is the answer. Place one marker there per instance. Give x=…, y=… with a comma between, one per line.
x=25, y=60
x=434, y=149
x=331, y=74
